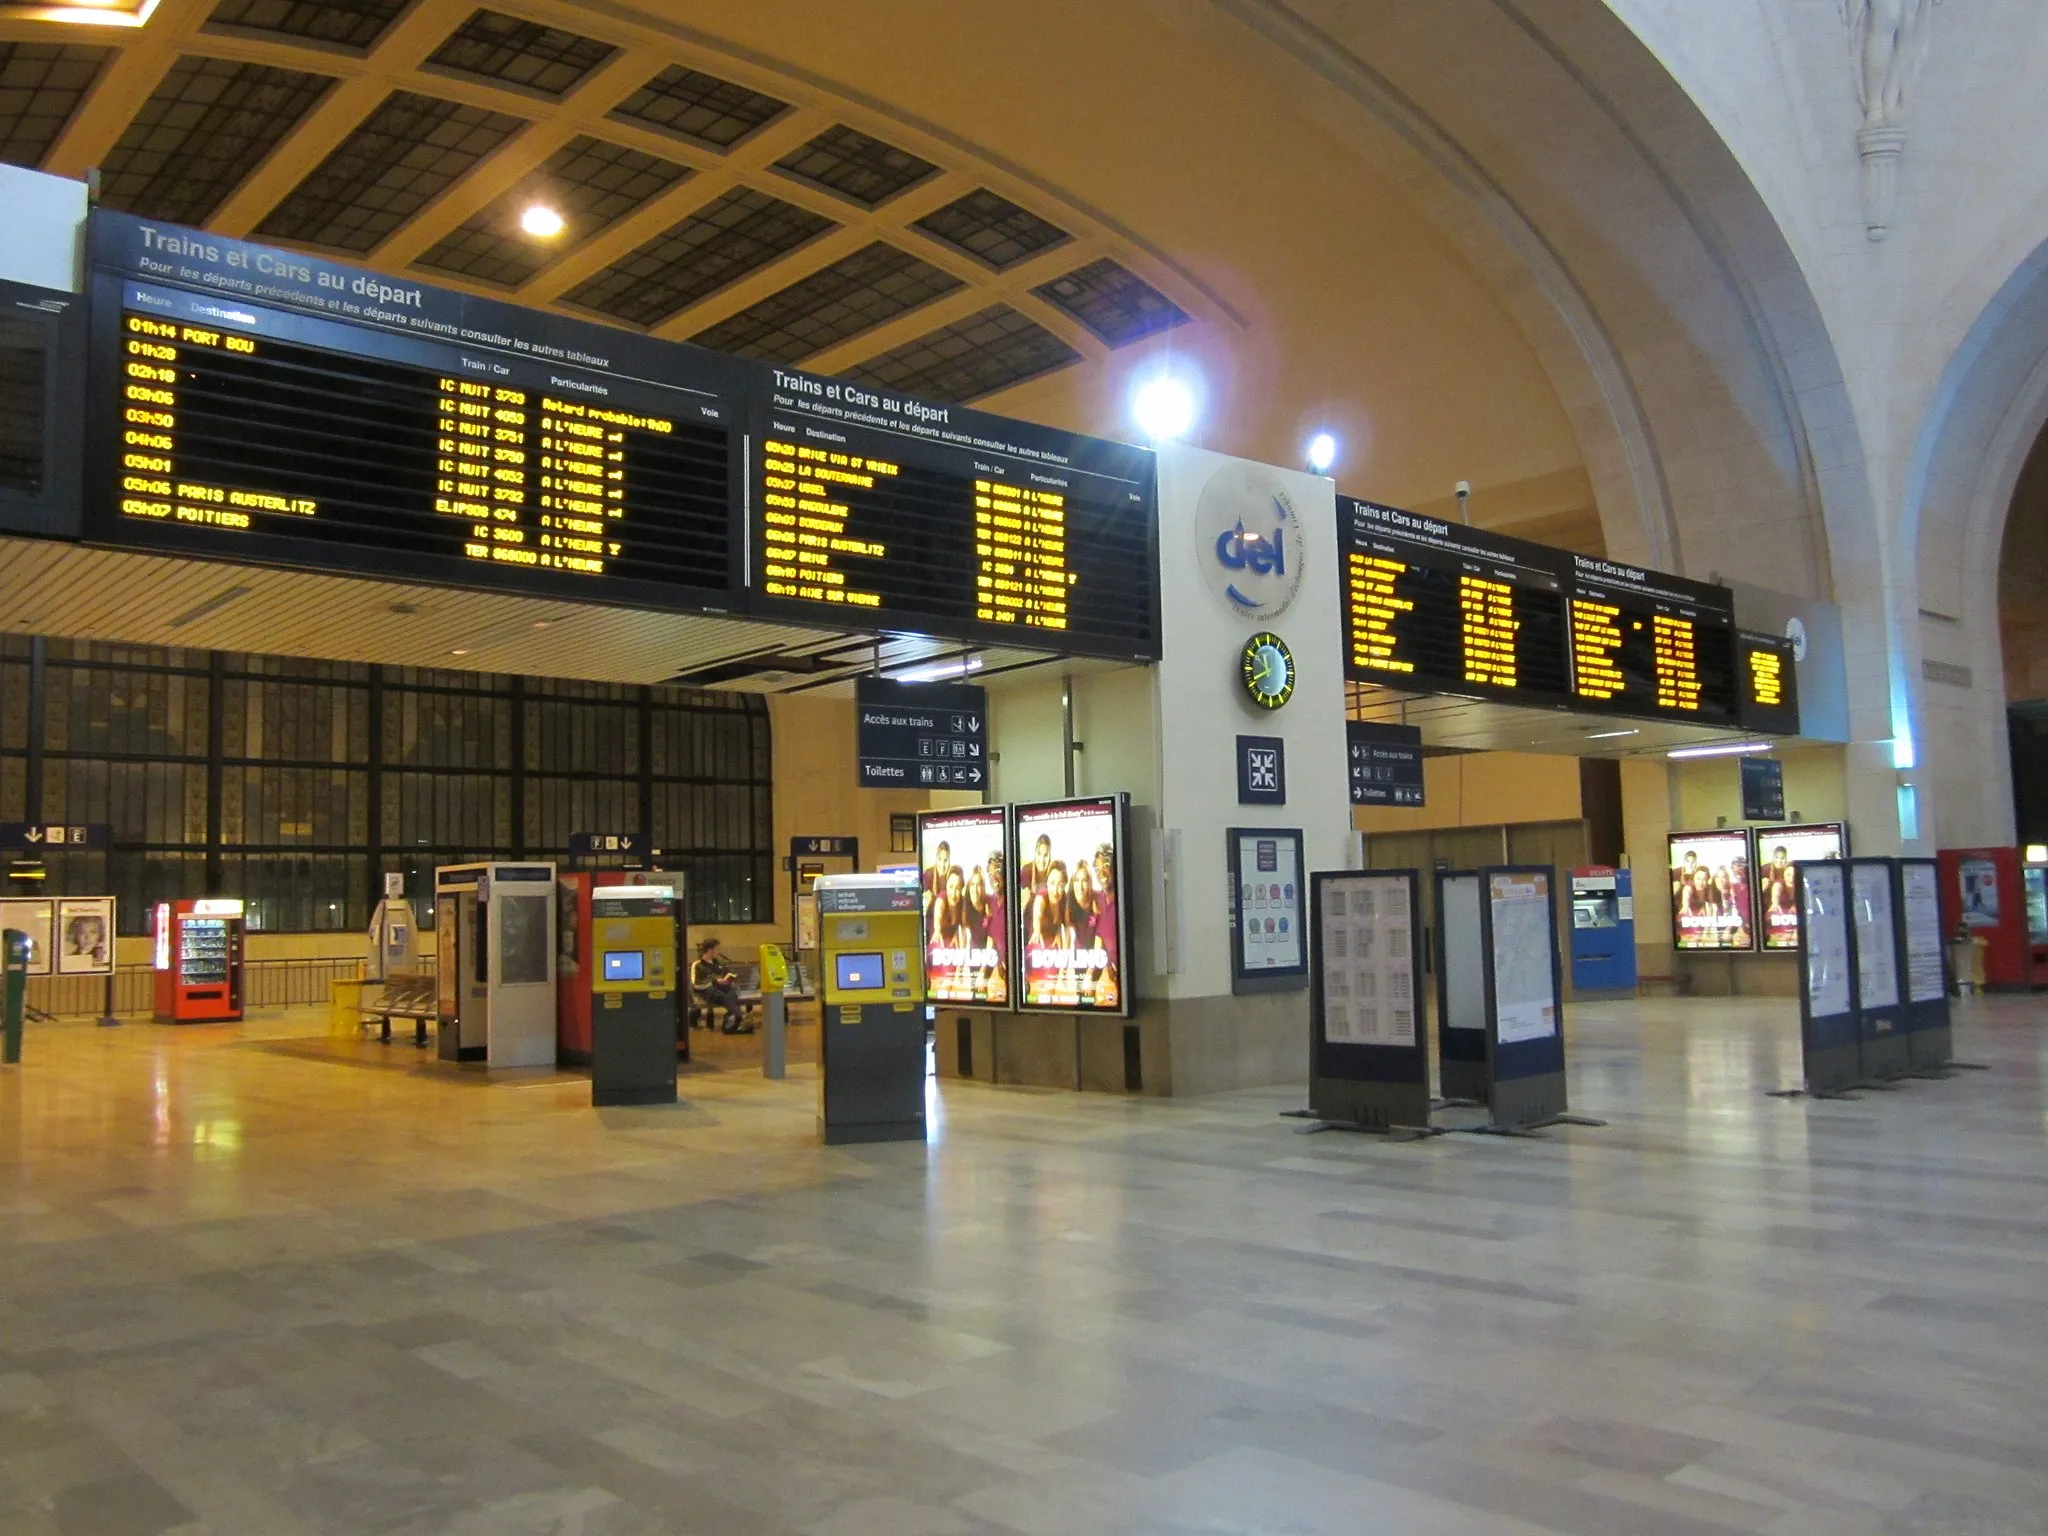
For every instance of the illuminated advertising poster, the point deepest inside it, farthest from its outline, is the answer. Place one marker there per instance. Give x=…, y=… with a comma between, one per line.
x=962, y=858
x=1713, y=902
x=1071, y=932
x=1777, y=850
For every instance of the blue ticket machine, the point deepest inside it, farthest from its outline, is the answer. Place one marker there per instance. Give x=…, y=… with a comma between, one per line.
x=1603, y=931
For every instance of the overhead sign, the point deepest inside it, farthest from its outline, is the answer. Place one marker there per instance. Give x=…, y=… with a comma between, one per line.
x=1763, y=789
x=1438, y=607
x=921, y=735
x=1385, y=763
x=824, y=848
x=875, y=509
x=585, y=845
x=48, y=835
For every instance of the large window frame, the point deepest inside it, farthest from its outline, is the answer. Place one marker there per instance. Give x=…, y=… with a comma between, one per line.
x=297, y=785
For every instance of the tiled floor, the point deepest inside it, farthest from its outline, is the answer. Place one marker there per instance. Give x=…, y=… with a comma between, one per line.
x=249, y=1285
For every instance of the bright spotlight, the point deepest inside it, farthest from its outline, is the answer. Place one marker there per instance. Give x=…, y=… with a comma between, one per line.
x=541, y=221
x=1164, y=407
x=1322, y=452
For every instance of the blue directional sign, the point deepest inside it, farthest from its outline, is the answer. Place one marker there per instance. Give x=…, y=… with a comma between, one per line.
x=921, y=735
x=1386, y=763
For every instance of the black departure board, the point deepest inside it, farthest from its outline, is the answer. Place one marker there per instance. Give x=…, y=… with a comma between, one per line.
x=1767, y=675
x=874, y=510
x=1644, y=643
x=1438, y=607
x=260, y=405
x=1432, y=606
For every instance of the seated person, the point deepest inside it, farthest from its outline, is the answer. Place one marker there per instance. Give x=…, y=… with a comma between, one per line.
x=715, y=985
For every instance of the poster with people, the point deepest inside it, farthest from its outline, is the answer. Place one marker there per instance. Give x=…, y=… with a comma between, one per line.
x=85, y=936
x=1069, y=892
x=1777, y=884
x=961, y=859
x=1713, y=900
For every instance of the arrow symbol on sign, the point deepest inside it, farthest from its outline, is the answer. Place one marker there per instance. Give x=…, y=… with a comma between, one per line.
x=975, y=776
x=33, y=834
x=974, y=722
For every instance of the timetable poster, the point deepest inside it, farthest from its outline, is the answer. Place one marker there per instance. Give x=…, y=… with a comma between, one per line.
x=1367, y=960
x=1777, y=884
x=961, y=861
x=873, y=509
x=1712, y=898
x=1269, y=901
x=1069, y=887
x=257, y=404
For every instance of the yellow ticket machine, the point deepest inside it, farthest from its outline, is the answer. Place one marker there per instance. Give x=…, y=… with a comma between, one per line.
x=636, y=999
x=872, y=1044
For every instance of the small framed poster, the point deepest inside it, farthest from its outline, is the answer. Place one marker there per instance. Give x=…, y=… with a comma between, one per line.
x=85, y=936
x=1268, y=941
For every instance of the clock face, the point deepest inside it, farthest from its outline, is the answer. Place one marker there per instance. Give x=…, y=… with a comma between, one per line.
x=1268, y=671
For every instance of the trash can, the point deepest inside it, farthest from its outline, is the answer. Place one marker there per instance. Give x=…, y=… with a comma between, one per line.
x=345, y=1008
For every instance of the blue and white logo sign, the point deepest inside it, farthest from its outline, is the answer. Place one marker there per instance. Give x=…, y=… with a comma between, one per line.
x=1249, y=541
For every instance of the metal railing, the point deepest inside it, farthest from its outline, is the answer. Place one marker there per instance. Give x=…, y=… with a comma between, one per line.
x=265, y=984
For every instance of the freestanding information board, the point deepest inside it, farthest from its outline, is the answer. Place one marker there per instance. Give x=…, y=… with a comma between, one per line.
x=1460, y=987
x=1524, y=991
x=1828, y=1034
x=1499, y=979
x=1918, y=901
x=1368, y=1048
x=1880, y=994
x=1268, y=942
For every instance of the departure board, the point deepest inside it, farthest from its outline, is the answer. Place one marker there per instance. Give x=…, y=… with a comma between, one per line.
x=1439, y=607
x=1644, y=643
x=1767, y=671
x=261, y=405
x=873, y=510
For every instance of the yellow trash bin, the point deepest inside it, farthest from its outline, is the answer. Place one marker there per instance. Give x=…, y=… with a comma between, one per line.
x=345, y=1008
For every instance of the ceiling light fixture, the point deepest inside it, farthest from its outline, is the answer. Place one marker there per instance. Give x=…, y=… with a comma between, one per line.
x=1164, y=405
x=1726, y=749
x=939, y=673
x=86, y=13
x=541, y=221
x=1322, y=453
x=1609, y=735
x=212, y=605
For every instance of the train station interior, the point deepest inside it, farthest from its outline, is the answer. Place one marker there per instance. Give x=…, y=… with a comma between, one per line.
x=1239, y=766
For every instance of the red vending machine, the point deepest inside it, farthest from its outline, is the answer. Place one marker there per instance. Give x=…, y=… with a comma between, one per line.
x=199, y=961
x=1981, y=891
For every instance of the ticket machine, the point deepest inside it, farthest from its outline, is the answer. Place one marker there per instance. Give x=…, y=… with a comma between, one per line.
x=636, y=1000
x=198, y=957
x=578, y=941
x=1603, y=930
x=872, y=1044
x=494, y=930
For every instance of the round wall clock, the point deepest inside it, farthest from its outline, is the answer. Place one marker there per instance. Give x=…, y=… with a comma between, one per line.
x=1268, y=670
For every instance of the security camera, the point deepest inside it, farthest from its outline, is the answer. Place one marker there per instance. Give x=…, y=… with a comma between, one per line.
x=1464, y=493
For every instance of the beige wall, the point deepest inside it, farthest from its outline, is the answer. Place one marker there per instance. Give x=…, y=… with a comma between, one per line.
x=1480, y=789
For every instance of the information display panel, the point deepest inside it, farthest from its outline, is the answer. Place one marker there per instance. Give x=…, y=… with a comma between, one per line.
x=257, y=404
x=1073, y=932
x=1713, y=900
x=962, y=858
x=1777, y=850
x=870, y=509
x=1643, y=643
x=1440, y=607
x=1767, y=675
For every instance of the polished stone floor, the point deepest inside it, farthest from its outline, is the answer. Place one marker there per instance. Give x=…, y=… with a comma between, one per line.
x=254, y=1282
